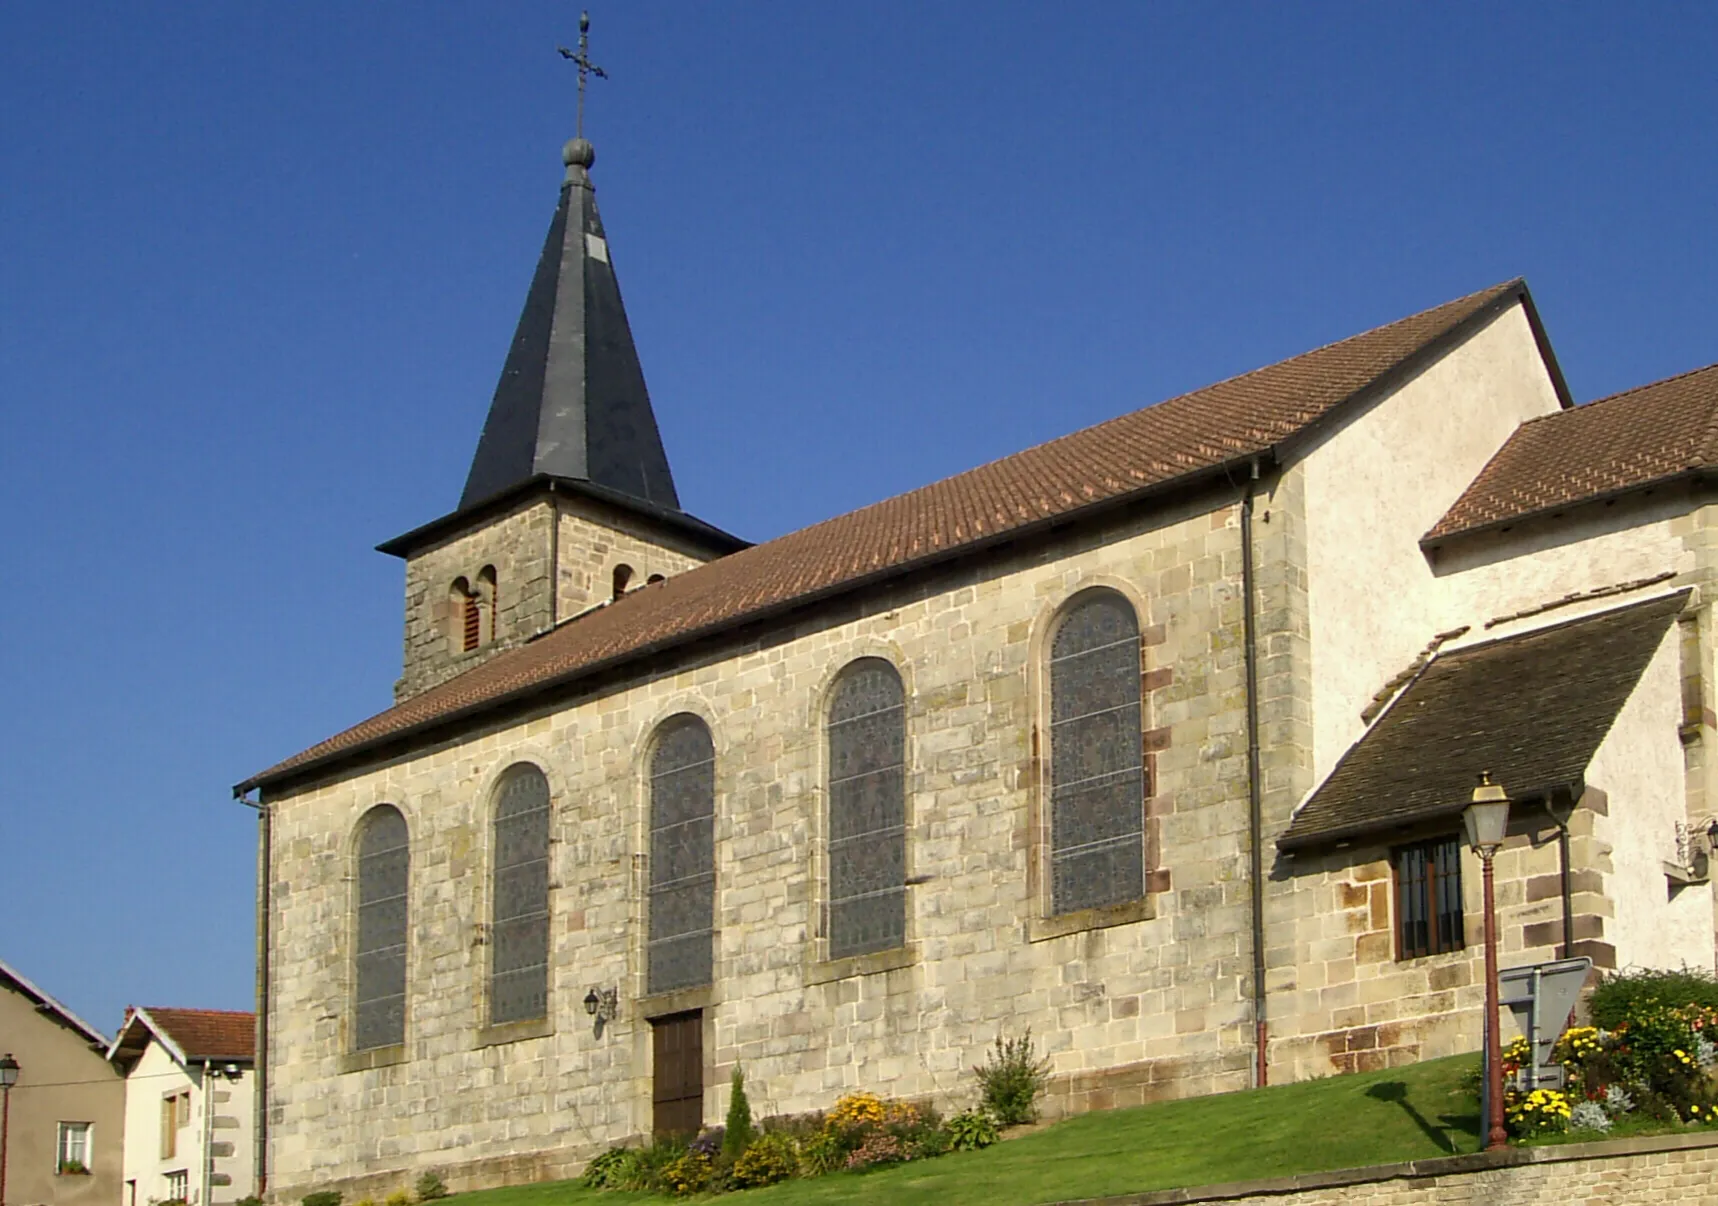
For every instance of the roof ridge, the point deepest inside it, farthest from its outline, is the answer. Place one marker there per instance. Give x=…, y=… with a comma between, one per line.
x=1113, y=462
x=1497, y=289
x=1622, y=394
x=196, y=1009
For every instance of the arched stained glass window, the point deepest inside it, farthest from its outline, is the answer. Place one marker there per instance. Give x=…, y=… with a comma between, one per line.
x=384, y=875
x=519, y=926
x=1097, y=764
x=682, y=856
x=867, y=810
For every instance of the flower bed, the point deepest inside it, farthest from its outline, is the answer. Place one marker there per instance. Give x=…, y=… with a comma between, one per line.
x=860, y=1132
x=1656, y=1062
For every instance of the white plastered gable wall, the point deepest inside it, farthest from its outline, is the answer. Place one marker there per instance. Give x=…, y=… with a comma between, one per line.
x=1374, y=486
x=1377, y=484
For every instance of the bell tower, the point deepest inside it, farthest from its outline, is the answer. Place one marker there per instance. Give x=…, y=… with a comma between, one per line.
x=570, y=501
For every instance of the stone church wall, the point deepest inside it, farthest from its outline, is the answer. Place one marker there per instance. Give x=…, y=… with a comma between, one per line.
x=1155, y=991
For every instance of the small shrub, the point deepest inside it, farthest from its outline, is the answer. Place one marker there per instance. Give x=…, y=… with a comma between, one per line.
x=653, y=1163
x=431, y=1187
x=1541, y=1112
x=614, y=1169
x=970, y=1130
x=365, y=1202
x=400, y=1197
x=249, y=1200
x=322, y=1197
x=1012, y=1079
x=1623, y=995
x=709, y=1141
x=739, y=1133
x=1589, y=1116
x=772, y=1156
x=688, y=1173
x=1618, y=1100
x=824, y=1152
x=880, y=1148
x=857, y=1111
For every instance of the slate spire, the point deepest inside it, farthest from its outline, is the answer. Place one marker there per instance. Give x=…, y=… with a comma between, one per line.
x=571, y=401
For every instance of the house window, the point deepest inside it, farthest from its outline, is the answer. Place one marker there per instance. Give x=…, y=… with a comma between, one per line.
x=170, y=1125
x=682, y=856
x=867, y=810
x=384, y=865
x=1097, y=762
x=622, y=577
x=73, y=1148
x=178, y=1186
x=1428, y=898
x=519, y=941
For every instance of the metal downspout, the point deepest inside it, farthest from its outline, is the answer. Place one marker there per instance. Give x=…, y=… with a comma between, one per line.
x=259, y=1105
x=1255, y=807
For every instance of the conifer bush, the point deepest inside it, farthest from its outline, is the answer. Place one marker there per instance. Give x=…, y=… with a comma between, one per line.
x=431, y=1187
x=739, y=1133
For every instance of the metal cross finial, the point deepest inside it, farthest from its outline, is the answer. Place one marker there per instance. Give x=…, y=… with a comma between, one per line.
x=582, y=59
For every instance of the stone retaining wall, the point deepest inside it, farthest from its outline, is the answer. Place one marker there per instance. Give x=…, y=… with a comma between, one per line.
x=1652, y=1171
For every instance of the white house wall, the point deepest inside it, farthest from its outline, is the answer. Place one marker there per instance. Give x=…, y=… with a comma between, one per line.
x=157, y=1074
x=1639, y=766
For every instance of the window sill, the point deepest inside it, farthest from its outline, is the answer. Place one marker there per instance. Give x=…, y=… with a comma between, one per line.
x=829, y=970
x=375, y=1057
x=1042, y=929
x=681, y=1000
x=515, y=1032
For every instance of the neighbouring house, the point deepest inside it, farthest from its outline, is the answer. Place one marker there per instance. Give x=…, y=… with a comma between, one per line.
x=1152, y=739
x=190, y=1085
x=65, y=1123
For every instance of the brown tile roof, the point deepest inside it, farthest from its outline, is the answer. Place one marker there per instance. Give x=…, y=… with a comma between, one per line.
x=1627, y=441
x=1532, y=709
x=1195, y=433
x=218, y=1034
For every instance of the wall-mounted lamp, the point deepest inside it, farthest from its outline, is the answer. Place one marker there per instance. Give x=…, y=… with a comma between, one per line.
x=603, y=1005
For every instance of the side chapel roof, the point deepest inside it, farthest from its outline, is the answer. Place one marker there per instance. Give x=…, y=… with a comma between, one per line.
x=1647, y=436
x=1531, y=709
x=1193, y=436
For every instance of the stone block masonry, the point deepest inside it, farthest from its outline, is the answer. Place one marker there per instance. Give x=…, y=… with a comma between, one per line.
x=1154, y=991
x=1654, y=1171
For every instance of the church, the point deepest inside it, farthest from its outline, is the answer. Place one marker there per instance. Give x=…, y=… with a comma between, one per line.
x=1152, y=740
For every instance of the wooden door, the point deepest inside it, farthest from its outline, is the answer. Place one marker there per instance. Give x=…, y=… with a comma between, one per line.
x=677, y=1095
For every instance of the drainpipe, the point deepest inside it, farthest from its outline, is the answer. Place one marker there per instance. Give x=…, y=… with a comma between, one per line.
x=208, y=1173
x=1562, y=823
x=259, y=1116
x=1255, y=808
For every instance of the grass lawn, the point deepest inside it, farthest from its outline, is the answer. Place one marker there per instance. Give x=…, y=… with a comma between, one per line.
x=1346, y=1121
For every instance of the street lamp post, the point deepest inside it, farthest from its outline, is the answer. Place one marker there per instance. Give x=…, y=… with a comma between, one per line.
x=1486, y=818
x=8, y=1078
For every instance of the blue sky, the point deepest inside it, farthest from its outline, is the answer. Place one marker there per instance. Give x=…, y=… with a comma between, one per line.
x=259, y=266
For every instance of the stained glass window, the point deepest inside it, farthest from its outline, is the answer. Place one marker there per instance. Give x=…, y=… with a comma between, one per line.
x=519, y=929
x=867, y=811
x=384, y=868
x=1097, y=765
x=679, y=949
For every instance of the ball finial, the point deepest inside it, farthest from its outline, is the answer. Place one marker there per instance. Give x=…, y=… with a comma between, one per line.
x=578, y=153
